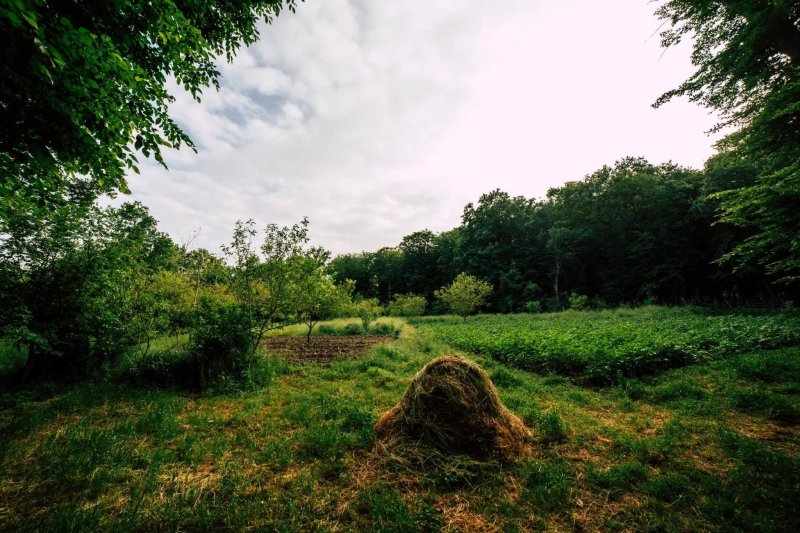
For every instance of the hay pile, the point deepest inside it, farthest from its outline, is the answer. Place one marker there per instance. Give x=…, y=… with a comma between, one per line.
x=452, y=406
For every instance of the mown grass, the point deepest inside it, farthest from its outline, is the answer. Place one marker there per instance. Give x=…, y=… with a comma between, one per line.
x=713, y=446
x=600, y=347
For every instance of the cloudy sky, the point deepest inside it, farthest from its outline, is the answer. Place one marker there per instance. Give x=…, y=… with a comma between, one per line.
x=376, y=119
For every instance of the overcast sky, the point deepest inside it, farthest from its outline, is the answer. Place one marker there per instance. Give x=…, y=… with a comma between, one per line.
x=376, y=119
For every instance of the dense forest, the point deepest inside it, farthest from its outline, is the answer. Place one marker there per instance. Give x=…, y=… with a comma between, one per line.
x=626, y=234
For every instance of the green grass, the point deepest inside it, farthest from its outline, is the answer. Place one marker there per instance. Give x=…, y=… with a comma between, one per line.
x=600, y=347
x=343, y=326
x=709, y=446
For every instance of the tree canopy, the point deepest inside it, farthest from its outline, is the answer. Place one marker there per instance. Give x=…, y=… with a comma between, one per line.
x=747, y=54
x=84, y=85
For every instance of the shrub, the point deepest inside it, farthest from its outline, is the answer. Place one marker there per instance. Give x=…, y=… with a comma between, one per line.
x=223, y=340
x=579, y=302
x=384, y=328
x=368, y=311
x=551, y=427
x=534, y=306
x=552, y=304
x=407, y=305
x=168, y=368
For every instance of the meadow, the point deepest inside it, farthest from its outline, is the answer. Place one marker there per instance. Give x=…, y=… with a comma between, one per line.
x=713, y=445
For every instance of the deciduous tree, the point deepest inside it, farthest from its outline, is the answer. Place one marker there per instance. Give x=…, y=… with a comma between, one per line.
x=465, y=294
x=747, y=54
x=84, y=85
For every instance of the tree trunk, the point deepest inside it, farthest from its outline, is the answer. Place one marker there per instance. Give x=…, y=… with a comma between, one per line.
x=201, y=373
x=30, y=364
x=555, y=281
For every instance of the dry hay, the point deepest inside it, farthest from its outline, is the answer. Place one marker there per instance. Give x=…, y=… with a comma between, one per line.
x=452, y=406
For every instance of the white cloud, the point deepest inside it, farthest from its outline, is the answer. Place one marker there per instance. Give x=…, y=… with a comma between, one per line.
x=376, y=119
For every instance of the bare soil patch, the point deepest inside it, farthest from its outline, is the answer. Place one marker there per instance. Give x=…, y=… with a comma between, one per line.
x=323, y=348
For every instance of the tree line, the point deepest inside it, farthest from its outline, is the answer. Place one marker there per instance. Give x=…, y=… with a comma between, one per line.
x=87, y=286
x=629, y=233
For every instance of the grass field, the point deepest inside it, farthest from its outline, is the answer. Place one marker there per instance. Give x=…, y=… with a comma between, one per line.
x=714, y=445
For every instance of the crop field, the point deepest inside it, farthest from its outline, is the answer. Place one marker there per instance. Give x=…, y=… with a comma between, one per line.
x=602, y=347
x=710, y=446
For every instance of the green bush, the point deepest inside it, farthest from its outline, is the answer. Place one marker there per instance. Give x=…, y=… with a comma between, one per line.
x=222, y=341
x=368, y=311
x=384, y=328
x=168, y=368
x=552, y=305
x=579, y=302
x=534, y=306
x=407, y=305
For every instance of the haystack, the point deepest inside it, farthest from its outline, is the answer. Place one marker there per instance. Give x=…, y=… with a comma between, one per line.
x=452, y=405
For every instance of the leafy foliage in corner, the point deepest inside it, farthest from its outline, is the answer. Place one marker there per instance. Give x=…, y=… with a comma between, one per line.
x=83, y=85
x=747, y=54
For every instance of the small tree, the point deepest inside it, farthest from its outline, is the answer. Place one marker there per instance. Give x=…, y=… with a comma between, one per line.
x=323, y=300
x=270, y=286
x=464, y=295
x=368, y=310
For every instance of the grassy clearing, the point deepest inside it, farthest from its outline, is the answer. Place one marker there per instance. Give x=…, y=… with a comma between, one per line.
x=601, y=346
x=712, y=446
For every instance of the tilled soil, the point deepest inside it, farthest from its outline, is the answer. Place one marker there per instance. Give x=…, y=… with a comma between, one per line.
x=323, y=348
